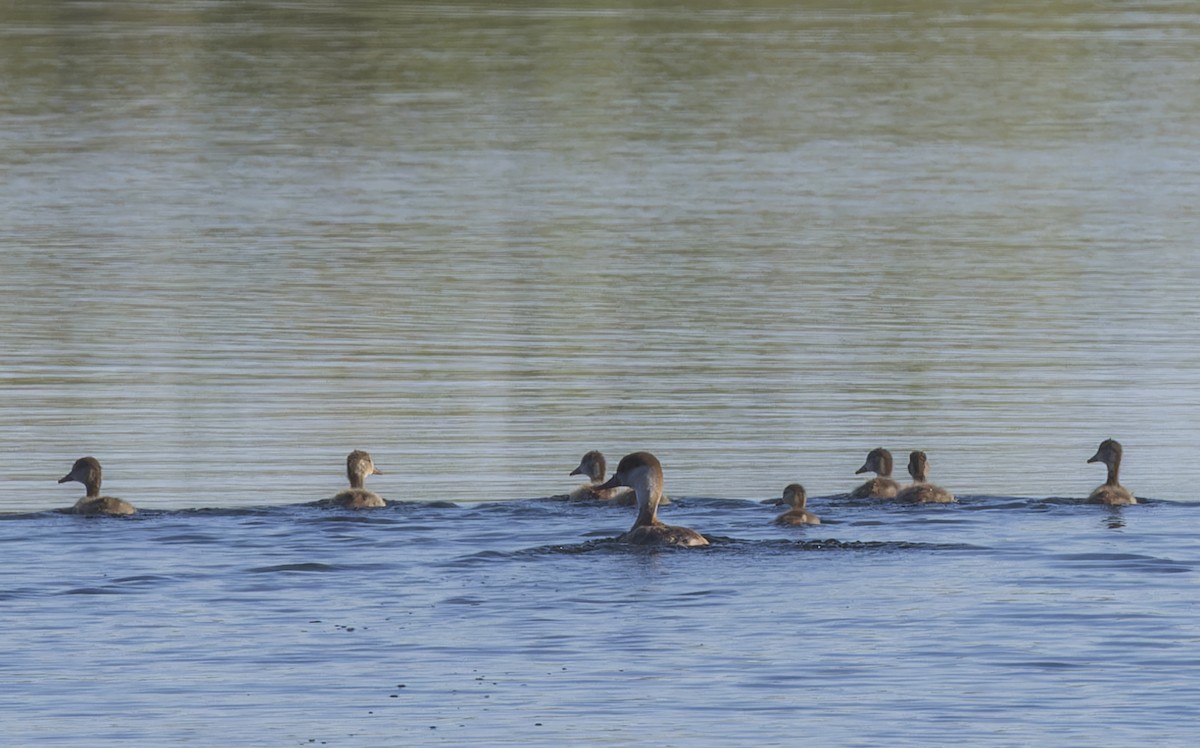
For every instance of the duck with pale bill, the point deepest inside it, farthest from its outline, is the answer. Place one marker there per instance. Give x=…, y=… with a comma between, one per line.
x=642, y=472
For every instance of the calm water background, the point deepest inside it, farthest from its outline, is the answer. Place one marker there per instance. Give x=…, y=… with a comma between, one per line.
x=239, y=240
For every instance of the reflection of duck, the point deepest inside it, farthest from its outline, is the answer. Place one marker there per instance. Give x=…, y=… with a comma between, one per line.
x=879, y=461
x=592, y=466
x=642, y=472
x=922, y=491
x=358, y=466
x=795, y=497
x=1112, y=492
x=86, y=470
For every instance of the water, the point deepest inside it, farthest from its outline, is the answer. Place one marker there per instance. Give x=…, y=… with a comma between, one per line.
x=479, y=240
x=998, y=622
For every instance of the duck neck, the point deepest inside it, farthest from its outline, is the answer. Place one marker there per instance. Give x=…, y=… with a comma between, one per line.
x=1114, y=468
x=93, y=487
x=647, y=500
x=884, y=468
x=356, y=478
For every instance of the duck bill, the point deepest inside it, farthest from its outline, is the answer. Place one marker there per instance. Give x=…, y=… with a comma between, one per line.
x=1096, y=457
x=610, y=483
x=866, y=468
x=65, y=478
x=376, y=471
x=577, y=471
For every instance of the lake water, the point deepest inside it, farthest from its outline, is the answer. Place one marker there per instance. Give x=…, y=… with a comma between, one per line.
x=479, y=239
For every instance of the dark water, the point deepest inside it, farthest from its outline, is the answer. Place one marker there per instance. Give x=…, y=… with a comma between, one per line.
x=1004, y=622
x=238, y=240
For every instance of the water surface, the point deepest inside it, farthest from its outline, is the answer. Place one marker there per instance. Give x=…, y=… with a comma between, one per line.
x=1000, y=622
x=480, y=239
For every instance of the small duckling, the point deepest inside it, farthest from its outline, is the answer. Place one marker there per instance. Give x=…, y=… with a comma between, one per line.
x=921, y=491
x=1112, y=492
x=642, y=472
x=358, y=466
x=86, y=470
x=795, y=497
x=879, y=461
x=592, y=466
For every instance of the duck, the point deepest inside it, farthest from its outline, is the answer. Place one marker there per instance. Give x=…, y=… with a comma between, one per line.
x=1112, y=492
x=358, y=466
x=879, y=461
x=921, y=491
x=86, y=470
x=592, y=466
x=795, y=497
x=642, y=472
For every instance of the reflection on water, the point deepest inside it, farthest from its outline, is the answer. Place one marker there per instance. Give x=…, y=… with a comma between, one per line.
x=241, y=240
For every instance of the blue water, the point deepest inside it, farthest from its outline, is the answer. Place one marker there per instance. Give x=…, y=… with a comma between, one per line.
x=239, y=240
x=998, y=621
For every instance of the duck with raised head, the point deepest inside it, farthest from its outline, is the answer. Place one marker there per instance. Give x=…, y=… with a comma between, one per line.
x=642, y=472
x=1112, y=492
x=592, y=466
x=86, y=470
x=358, y=466
x=879, y=461
x=795, y=497
x=922, y=491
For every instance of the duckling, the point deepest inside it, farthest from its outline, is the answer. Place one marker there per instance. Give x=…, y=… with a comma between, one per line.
x=642, y=472
x=879, y=461
x=795, y=497
x=86, y=470
x=592, y=466
x=358, y=466
x=921, y=491
x=1112, y=492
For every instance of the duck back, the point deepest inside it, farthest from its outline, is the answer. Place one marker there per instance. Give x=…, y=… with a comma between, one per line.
x=359, y=498
x=1112, y=495
x=925, y=493
x=798, y=517
x=100, y=505
x=876, y=488
x=660, y=534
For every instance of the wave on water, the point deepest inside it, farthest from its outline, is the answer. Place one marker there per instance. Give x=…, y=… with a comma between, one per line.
x=1122, y=561
x=301, y=567
x=717, y=544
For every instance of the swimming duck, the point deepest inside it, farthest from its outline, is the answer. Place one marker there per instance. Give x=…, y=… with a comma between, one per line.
x=795, y=497
x=592, y=466
x=86, y=470
x=879, y=461
x=642, y=472
x=1112, y=492
x=921, y=491
x=358, y=466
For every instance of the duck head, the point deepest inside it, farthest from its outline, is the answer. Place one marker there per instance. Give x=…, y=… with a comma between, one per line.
x=592, y=466
x=642, y=472
x=918, y=466
x=879, y=460
x=358, y=466
x=795, y=496
x=1109, y=452
x=86, y=470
